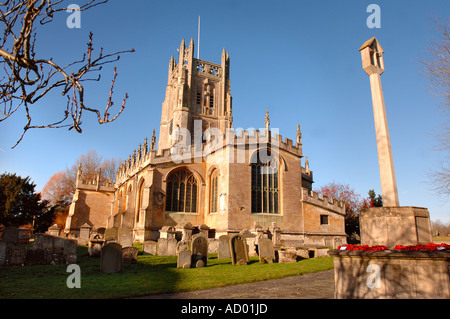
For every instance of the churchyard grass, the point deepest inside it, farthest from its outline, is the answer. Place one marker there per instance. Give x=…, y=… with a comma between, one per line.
x=151, y=274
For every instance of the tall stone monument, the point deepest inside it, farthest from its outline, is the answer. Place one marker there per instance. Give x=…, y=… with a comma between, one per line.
x=391, y=224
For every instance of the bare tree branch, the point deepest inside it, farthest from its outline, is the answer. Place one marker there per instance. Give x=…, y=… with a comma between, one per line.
x=436, y=66
x=28, y=79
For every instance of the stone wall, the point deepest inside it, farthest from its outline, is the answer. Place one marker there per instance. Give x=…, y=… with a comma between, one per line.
x=391, y=274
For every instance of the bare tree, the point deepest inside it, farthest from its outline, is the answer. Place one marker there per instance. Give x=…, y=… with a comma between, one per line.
x=436, y=66
x=28, y=78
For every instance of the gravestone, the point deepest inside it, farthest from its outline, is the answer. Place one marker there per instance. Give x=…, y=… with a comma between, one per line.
x=167, y=232
x=46, y=241
x=129, y=254
x=184, y=259
x=149, y=247
x=224, y=247
x=265, y=250
x=125, y=236
x=54, y=230
x=238, y=250
x=95, y=246
x=58, y=245
x=250, y=240
x=111, y=258
x=213, y=245
x=70, y=251
x=3, y=250
x=276, y=235
x=11, y=235
x=199, y=249
x=203, y=230
x=182, y=245
x=186, y=232
x=85, y=233
x=171, y=247
x=110, y=235
x=162, y=247
x=287, y=256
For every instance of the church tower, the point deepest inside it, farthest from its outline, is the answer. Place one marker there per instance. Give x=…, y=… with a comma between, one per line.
x=196, y=90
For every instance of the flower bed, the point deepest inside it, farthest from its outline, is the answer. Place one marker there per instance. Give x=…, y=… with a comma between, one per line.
x=428, y=247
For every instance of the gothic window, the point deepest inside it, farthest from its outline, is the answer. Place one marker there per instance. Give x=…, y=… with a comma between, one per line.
x=181, y=192
x=140, y=199
x=265, y=191
x=214, y=191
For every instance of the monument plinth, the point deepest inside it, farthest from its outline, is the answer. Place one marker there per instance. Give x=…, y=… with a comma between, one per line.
x=391, y=224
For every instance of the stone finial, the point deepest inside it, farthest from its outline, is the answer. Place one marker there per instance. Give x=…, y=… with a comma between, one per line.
x=267, y=120
x=306, y=164
x=153, y=141
x=139, y=152
x=145, y=147
x=299, y=135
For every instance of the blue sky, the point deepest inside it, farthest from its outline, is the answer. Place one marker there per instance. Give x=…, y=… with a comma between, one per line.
x=299, y=59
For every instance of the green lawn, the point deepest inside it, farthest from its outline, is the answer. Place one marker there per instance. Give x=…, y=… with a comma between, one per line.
x=151, y=274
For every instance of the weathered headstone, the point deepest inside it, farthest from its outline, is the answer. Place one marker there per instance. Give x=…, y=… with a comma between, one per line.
x=70, y=251
x=238, y=250
x=186, y=232
x=149, y=247
x=11, y=235
x=3, y=250
x=95, y=247
x=125, y=236
x=199, y=249
x=129, y=254
x=203, y=230
x=46, y=241
x=250, y=240
x=171, y=247
x=224, y=247
x=213, y=245
x=85, y=233
x=265, y=250
x=182, y=245
x=287, y=256
x=58, y=245
x=110, y=235
x=111, y=258
x=54, y=230
x=276, y=235
x=184, y=259
x=167, y=232
x=162, y=247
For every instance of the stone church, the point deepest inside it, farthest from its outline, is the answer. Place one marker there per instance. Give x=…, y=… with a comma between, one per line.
x=205, y=174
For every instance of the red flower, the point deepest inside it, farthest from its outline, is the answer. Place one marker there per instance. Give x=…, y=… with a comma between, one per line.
x=428, y=247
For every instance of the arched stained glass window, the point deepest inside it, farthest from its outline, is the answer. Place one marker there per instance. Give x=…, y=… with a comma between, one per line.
x=213, y=202
x=181, y=192
x=265, y=191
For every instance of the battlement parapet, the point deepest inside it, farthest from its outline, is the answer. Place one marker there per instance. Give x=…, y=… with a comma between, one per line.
x=193, y=153
x=323, y=201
